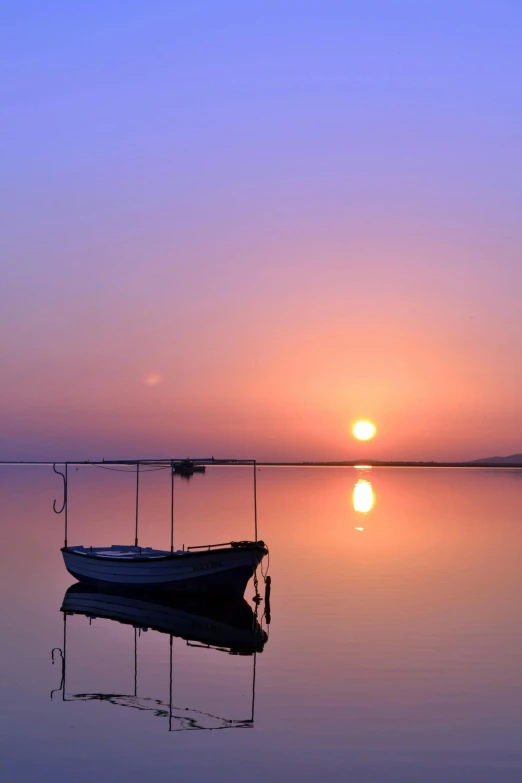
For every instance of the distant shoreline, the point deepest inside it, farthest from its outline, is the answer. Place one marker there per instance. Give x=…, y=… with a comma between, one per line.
x=393, y=464
x=211, y=462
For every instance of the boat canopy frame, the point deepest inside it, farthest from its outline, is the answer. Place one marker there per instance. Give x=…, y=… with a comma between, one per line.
x=172, y=463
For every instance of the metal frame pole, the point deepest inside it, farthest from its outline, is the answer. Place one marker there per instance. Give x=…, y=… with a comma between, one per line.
x=254, y=688
x=170, y=685
x=66, y=519
x=255, y=499
x=172, y=507
x=135, y=662
x=64, y=652
x=64, y=503
x=137, y=502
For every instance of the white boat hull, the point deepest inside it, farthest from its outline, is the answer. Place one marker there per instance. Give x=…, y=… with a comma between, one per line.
x=219, y=570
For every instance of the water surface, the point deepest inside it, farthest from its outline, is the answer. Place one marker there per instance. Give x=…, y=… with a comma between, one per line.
x=394, y=650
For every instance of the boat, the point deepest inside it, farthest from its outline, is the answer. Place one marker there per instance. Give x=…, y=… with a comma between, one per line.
x=213, y=568
x=219, y=568
x=186, y=468
x=226, y=623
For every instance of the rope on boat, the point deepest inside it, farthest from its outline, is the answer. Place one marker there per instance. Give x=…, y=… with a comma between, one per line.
x=124, y=470
x=268, y=586
x=264, y=573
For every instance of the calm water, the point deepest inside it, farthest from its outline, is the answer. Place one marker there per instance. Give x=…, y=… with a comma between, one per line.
x=394, y=649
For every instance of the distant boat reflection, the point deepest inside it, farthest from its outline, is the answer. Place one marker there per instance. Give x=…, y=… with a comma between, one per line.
x=229, y=626
x=363, y=496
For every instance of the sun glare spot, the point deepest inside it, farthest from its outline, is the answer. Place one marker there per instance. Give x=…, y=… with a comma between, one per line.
x=153, y=379
x=363, y=497
x=364, y=430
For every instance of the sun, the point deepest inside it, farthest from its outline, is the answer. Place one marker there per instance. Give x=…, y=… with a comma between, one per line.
x=364, y=430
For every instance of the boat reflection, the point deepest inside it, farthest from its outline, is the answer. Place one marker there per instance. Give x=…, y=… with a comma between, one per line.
x=229, y=626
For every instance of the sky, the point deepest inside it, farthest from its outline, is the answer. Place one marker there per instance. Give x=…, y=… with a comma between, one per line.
x=233, y=229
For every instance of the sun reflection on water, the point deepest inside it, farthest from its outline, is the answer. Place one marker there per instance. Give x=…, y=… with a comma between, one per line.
x=363, y=497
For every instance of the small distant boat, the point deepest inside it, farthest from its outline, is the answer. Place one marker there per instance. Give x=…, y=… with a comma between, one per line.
x=223, y=569
x=186, y=468
x=225, y=623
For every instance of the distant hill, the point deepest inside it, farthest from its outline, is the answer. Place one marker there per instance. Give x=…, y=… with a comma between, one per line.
x=513, y=459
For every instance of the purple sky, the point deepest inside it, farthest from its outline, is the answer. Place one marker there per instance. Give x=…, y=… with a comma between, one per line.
x=234, y=229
